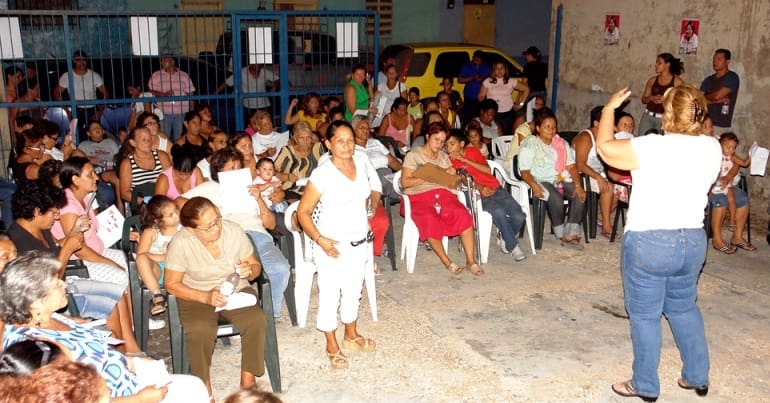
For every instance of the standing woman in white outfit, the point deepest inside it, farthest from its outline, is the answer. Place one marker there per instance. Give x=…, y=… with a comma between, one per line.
x=343, y=186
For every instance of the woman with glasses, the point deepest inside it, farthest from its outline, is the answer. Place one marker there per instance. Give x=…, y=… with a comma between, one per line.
x=346, y=187
x=30, y=294
x=151, y=122
x=297, y=160
x=199, y=260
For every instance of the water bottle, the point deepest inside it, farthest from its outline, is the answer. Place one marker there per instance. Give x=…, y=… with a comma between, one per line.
x=437, y=205
x=725, y=109
x=228, y=286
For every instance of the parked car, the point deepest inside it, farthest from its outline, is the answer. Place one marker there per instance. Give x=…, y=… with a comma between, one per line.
x=425, y=64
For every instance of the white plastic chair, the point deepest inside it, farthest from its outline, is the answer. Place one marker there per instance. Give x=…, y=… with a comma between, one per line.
x=519, y=192
x=500, y=146
x=484, y=229
x=304, y=269
x=410, y=236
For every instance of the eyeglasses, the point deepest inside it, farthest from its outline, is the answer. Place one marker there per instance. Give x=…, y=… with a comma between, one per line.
x=56, y=212
x=209, y=228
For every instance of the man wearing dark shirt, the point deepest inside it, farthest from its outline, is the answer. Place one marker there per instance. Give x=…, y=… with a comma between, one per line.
x=721, y=90
x=472, y=74
x=535, y=71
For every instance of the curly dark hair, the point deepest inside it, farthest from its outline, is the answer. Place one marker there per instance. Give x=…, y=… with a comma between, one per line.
x=222, y=157
x=36, y=196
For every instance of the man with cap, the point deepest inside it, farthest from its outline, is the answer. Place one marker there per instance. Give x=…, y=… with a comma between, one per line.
x=472, y=74
x=535, y=71
x=86, y=82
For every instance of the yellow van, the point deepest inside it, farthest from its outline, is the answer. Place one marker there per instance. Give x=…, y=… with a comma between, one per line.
x=425, y=64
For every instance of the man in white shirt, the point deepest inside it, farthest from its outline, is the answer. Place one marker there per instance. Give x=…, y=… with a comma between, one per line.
x=86, y=83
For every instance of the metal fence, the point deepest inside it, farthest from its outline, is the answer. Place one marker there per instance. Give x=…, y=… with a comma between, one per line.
x=305, y=51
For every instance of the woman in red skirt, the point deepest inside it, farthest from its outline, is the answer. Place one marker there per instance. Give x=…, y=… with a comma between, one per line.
x=435, y=209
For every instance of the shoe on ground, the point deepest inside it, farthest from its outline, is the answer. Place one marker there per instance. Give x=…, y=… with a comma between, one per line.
x=155, y=324
x=518, y=254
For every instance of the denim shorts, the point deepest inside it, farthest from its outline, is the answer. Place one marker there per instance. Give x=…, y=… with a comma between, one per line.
x=719, y=200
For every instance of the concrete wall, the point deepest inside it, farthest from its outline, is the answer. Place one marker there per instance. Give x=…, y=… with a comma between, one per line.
x=588, y=70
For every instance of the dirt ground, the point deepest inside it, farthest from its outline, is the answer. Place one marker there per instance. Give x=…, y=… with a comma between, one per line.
x=549, y=329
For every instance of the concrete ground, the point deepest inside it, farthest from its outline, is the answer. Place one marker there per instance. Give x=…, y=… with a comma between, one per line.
x=549, y=329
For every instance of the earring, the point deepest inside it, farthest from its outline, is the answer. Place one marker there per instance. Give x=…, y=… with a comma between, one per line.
x=37, y=319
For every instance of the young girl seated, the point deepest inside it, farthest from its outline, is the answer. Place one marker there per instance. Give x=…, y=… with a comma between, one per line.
x=473, y=132
x=310, y=111
x=415, y=106
x=160, y=222
x=267, y=184
x=729, y=142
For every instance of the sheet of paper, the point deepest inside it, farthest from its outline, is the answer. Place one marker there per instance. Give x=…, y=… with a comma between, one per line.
x=110, y=225
x=238, y=300
x=235, y=192
x=759, y=156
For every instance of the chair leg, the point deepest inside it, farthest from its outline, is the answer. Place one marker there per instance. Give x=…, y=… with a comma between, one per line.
x=618, y=214
x=303, y=285
x=390, y=236
x=143, y=321
x=539, y=212
x=271, y=340
x=176, y=338
x=371, y=291
x=289, y=298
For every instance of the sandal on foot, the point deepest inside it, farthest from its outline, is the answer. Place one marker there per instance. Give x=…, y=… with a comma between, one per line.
x=337, y=360
x=625, y=389
x=476, y=270
x=355, y=344
x=455, y=269
x=727, y=249
x=158, y=304
x=572, y=243
x=699, y=390
x=745, y=246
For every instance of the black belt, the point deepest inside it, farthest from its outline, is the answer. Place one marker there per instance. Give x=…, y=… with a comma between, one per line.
x=368, y=239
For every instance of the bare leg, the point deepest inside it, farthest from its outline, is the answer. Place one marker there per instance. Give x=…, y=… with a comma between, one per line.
x=438, y=249
x=469, y=246
x=717, y=217
x=606, y=202
x=126, y=326
x=731, y=208
x=149, y=272
x=741, y=216
x=247, y=379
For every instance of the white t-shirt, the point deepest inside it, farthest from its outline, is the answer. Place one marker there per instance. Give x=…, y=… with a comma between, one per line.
x=671, y=186
x=138, y=107
x=343, y=200
x=85, y=85
x=205, y=168
x=377, y=153
x=261, y=142
x=250, y=83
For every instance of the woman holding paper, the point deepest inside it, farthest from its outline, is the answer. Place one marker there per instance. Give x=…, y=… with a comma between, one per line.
x=198, y=261
x=358, y=92
x=30, y=294
x=435, y=209
x=78, y=179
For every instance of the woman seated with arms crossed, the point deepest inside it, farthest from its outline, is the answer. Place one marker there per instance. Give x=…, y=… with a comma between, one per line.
x=346, y=188
x=505, y=211
x=35, y=208
x=198, y=261
x=30, y=294
x=450, y=218
x=547, y=164
x=297, y=160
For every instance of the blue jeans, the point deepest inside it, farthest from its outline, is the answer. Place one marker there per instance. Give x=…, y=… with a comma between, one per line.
x=95, y=299
x=506, y=214
x=172, y=125
x=7, y=189
x=660, y=272
x=274, y=264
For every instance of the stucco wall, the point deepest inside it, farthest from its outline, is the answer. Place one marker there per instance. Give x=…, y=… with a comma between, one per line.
x=588, y=70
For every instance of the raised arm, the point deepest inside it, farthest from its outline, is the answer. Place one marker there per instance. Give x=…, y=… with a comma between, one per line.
x=617, y=153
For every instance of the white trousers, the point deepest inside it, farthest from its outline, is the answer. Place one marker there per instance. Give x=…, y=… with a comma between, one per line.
x=340, y=281
x=109, y=273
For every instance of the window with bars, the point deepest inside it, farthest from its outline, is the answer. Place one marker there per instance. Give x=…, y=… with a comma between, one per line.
x=47, y=5
x=385, y=9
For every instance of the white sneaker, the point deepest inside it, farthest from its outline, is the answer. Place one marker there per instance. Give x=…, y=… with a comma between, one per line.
x=501, y=244
x=518, y=254
x=155, y=324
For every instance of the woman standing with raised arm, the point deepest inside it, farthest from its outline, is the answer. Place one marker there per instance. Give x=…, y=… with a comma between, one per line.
x=664, y=245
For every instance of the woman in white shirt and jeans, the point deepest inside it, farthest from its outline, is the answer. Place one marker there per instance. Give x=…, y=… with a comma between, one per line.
x=664, y=245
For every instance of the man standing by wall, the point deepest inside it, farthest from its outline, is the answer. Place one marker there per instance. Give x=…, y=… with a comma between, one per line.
x=169, y=81
x=86, y=83
x=721, y=89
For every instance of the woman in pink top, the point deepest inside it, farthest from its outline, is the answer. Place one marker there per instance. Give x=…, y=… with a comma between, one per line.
x=398, y=124
x=181, y=176
x=500, y=87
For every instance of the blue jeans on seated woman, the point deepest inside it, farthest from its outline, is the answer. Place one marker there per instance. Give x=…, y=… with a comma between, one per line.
x=660, y=271
x=94, y=299
x=274, y=264
x=506, y=214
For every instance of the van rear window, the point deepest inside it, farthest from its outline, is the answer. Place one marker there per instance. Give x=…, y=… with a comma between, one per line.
x=448, y=64
x=418, y=64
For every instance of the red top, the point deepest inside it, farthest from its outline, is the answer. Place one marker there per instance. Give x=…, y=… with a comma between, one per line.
x=481, y=178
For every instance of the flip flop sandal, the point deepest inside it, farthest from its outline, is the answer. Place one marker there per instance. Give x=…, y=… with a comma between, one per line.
x=625, y=389
x=455, y=269
x=353, y=344
x=158, y=304
x=476, y=270
x=699, y=390
x=745, y=246
x=727, y=249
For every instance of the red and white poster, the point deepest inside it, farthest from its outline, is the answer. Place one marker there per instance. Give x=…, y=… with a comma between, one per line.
x=611, y=29
x=688, y=36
